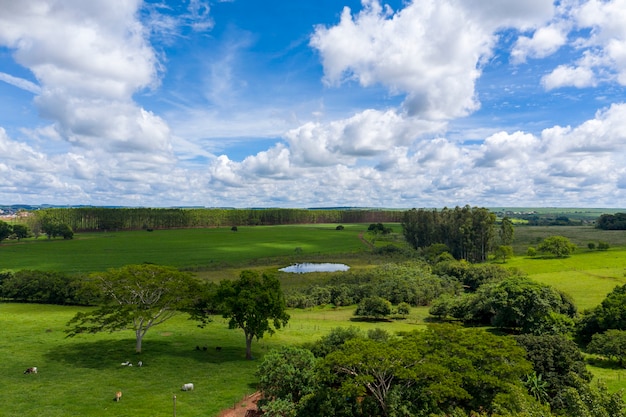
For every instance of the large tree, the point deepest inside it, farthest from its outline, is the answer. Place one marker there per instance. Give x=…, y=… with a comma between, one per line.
x=137, y=297
x=5, y=230
x=250, y=303
x=559, y=246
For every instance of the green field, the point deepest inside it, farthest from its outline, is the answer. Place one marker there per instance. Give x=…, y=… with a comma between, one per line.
x=79, y=376
x=188, y=248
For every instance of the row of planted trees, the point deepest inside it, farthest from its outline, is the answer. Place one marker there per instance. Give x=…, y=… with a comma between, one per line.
x=99, y=218
x=467, y=232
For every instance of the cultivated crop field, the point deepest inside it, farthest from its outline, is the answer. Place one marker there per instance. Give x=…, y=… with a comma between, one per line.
x=79, y=376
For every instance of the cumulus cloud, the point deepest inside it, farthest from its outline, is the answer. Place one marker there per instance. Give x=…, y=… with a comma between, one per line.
x=544, y=42
x=600, y=40
x=430, y=51
x=89, y=58
x=366, y=134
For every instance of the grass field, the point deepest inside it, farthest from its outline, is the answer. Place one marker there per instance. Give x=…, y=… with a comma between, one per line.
x=79, y=376
x=189, y=248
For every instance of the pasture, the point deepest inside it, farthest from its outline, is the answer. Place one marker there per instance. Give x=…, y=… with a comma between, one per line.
x=79, y=376
x=192, y=249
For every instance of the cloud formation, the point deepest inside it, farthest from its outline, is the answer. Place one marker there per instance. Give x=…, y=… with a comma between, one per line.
x=370, y=127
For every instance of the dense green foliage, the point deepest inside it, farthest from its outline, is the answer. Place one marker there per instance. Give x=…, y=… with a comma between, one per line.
x=114, y=219
x=515, y=303
x=610, y=314
x=287, y=373
x=467, y=232
x=558, y=361
x=250, y=303
x=615, y=221
x=444, y=370
x=407, y=282
x=610, y=344
x=45, y=287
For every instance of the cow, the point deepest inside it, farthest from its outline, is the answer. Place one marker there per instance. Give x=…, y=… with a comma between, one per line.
x=32, y=370
x=118, y=396
x=187, y=387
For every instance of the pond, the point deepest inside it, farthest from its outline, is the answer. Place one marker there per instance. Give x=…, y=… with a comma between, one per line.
x=303, y=268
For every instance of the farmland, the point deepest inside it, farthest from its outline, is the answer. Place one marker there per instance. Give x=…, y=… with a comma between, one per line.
x=79, y=376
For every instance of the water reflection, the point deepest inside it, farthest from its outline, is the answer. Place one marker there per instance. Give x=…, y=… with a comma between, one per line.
x=314, y=267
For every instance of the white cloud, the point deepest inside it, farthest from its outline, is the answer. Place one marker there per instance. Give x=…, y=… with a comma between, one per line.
x=601, y=40
x=544, y=42
x=363, y=135
x=89, y=59
x=563, y=76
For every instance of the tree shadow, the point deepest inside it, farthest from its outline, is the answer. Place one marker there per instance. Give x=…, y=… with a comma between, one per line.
x=103, y=354
x=371, y=319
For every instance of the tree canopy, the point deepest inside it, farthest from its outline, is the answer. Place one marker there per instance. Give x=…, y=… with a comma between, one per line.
x=250, y=303
x=558, y=246
x=467, y=232
x=137, y=297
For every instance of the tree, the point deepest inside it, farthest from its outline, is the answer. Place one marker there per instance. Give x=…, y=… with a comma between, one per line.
x=287, y=373
x=250, y=303
x=558, y=246
x=20, y=231
x=138, y=297
x=611, y=344
x=559, y=363
x=376, y=307
x=5, y=230
x=503, y=252
x=506, y=231
x=610, y=314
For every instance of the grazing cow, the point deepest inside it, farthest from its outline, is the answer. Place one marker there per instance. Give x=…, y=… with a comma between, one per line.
x=187, y=387
x=118, y=396
x=32, y=370
x=218, y=348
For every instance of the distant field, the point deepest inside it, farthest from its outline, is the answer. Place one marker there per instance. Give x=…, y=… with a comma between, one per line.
x=186, y=248
x=526, y=236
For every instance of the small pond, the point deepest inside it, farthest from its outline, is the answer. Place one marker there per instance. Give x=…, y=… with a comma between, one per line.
x=314, y=267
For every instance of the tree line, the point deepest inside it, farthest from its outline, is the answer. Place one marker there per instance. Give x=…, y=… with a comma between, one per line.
x=118, y=219
x=615, y=221
x=467, y=232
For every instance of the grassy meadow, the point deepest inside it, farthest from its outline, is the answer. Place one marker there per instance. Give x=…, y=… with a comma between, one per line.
x=79, y=376
x=201, y=249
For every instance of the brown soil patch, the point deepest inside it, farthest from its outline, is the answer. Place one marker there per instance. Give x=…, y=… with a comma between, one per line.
x=241, y=408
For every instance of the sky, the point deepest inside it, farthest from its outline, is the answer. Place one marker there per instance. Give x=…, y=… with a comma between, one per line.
x=313, y=103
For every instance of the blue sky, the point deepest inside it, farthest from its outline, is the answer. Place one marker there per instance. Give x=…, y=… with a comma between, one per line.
x=242, y=103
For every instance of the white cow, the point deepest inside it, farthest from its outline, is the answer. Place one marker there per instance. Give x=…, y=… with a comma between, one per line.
x=187, y=387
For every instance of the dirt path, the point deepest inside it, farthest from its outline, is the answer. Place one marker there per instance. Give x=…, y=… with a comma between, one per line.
x=365, y=241
x=241, y=408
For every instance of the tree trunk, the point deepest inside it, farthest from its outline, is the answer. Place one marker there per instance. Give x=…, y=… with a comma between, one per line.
x=249, y=346
x=139, y=336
